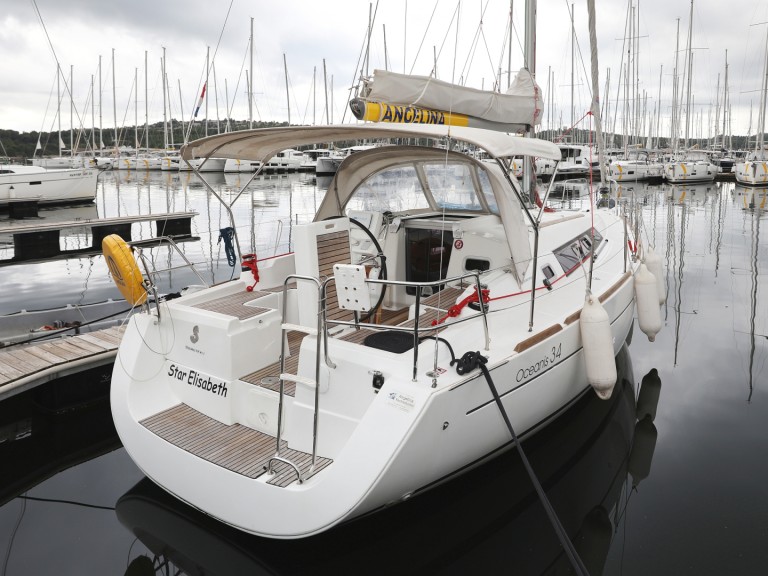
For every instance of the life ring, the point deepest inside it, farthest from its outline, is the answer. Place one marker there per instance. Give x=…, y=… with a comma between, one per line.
x=125, y=272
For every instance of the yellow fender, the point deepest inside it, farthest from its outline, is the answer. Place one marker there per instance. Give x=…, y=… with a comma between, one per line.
x=125, y=272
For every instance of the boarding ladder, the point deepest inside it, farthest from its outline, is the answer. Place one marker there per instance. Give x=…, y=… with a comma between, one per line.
x=287, y=377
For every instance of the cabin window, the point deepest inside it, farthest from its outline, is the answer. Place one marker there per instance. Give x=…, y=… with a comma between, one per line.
x=548, y=272
x=452, y=186
x=393, y=190
x=575, y=251
x=485, y=186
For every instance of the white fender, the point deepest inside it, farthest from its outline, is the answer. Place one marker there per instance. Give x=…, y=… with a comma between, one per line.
x=597, y=341
x=653, y=263
x=647, y=301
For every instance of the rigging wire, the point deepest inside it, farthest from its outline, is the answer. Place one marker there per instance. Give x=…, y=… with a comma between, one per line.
x=208, y=69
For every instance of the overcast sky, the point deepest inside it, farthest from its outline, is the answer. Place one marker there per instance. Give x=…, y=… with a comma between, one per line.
x=468, y=37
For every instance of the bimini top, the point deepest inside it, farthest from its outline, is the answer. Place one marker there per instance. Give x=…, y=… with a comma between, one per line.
x=263, y=143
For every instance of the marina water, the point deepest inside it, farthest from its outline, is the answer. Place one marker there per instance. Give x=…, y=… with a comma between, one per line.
x=678, y=491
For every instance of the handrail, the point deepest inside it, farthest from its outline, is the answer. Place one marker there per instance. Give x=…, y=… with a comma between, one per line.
x=175, y=246
x=285, y=461
x=416, y=330
x=152, y=272
x=320, y=319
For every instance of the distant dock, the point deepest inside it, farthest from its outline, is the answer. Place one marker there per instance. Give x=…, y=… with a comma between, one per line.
x=27, y=366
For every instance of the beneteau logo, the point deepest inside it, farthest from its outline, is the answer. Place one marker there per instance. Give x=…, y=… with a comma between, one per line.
x=195, y=336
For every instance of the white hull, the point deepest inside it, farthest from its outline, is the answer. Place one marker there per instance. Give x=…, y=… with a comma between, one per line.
x=327, y=165
x=237, y=165
x=140, y=163
x=752, y=173
x=47, y=186
x=203, y=165
x=372, y=469
x=690, y=171
x=634, y=171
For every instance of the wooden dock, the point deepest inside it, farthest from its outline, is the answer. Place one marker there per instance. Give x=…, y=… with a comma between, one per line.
x=26, y=366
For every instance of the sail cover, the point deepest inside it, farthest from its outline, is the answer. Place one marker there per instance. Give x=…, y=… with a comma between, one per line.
x=521, y=105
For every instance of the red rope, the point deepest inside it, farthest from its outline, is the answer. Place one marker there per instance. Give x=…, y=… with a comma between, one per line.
x=250, y=261
x=564, y=134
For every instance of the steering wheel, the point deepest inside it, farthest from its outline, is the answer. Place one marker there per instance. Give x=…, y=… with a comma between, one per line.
x=383, y=266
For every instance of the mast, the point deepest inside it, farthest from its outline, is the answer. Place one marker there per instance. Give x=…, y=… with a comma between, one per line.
x=675, y=112
x=287, y=94
x=573, y=56
x=93, y=118
x=58, y=100
x=690, y=74
x=164, y=79
x=250, y=81
x=101, y=110
x=136, y=111
x=207, y=69
x=596, y=98
x=325, y=84
x=386, y=57
x=216, y=99
x=509, y=48
x=658, y=112
x=725, y=97
x=181, y=103
x=529, y=182
x=146, y=100
x=760, y=139
x=717, y=112
x=71, y=112
x=114, y=99
x=314, y=95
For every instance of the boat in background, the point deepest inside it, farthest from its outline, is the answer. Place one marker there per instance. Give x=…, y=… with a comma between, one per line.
x=578, y=160
x=237, y=165
x=753, y=169
x=635, y=166
x=693, y=166
x=19, y=182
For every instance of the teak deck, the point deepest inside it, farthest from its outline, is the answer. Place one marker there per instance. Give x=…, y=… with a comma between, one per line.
x=236, y=447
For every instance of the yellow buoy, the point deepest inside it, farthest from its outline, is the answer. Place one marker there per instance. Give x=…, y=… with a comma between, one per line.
x=597, y=342
x=125, y=272
x=647, y=301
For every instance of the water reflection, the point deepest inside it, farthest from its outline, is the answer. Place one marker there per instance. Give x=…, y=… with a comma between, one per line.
x=589, y=462
x=52, y=428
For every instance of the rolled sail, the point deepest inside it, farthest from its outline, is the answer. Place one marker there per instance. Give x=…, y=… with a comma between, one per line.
x=392, y=97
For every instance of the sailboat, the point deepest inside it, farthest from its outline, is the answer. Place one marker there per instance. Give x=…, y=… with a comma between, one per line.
x=428, y=312
x=689, y=165
x=753, y=169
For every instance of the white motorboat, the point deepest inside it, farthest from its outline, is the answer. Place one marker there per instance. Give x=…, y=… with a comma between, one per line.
x=425, y=304
x=200, y=164
x=54, y=186
x=288, y=160
x=237, y=165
